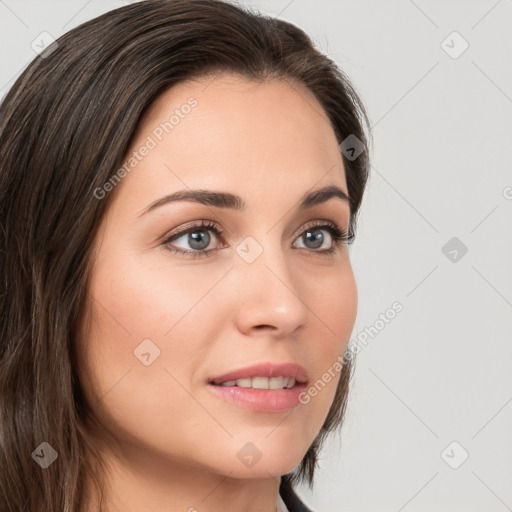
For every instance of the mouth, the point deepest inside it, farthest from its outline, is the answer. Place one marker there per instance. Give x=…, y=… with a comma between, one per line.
x=265, y=387
x=264, y=376
x=280, y=382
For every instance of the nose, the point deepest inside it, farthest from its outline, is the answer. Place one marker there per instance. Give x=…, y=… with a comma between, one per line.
x=270, y=300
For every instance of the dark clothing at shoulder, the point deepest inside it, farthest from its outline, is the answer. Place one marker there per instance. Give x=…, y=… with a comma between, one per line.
x=290, y=498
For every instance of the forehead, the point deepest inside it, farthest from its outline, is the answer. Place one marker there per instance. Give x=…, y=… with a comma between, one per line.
x=227, y=132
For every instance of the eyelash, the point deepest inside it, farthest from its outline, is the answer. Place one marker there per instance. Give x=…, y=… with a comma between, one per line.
x=338, y=235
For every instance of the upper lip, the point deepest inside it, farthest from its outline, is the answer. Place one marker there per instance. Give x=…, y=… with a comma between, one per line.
x=267, y=369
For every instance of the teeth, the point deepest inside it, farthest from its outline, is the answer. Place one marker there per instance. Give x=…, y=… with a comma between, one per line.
x=243, y=383
x=262, y=383
x=276, y=383
x=228, y=383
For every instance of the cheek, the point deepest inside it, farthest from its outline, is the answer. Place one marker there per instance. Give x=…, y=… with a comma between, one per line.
x=332, y=299
x=333, y=303
x=144, y=313
x=135, y=300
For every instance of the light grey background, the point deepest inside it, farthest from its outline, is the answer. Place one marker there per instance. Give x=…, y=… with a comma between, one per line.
x=441, y=370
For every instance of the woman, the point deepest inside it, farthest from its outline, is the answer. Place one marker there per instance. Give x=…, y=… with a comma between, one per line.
x=179, y=183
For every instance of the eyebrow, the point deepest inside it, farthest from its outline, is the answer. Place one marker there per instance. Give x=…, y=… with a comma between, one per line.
x=234, y=202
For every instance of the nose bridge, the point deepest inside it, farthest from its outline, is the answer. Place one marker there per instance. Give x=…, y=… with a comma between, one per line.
x=269, y=291
x=261, y=256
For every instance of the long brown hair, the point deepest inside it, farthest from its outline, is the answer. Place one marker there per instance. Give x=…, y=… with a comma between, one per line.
x=65, y=127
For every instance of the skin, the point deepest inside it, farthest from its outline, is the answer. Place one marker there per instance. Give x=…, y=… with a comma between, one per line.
x=169, y=443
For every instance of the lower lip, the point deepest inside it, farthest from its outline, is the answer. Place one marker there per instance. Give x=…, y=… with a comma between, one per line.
x=263, y=400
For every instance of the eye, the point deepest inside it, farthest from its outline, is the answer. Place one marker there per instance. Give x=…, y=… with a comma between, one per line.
x=197, y=237
x=313, y=235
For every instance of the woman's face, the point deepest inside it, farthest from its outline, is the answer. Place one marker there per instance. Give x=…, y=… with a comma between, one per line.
x=165, y=323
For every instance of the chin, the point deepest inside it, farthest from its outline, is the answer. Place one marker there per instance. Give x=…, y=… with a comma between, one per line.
x=263, y=459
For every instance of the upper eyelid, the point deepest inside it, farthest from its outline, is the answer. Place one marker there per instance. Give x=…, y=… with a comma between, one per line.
x=213, y=225
x=318, y=223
